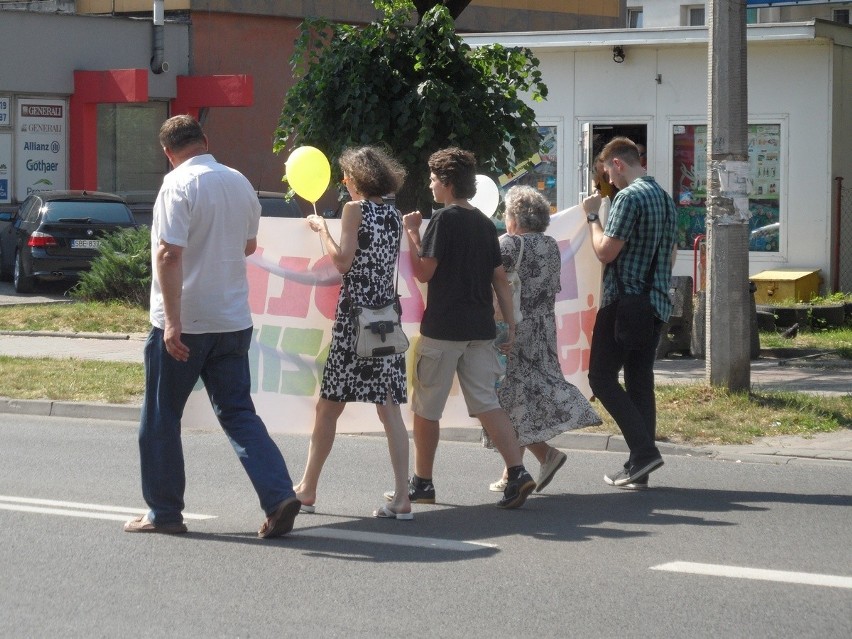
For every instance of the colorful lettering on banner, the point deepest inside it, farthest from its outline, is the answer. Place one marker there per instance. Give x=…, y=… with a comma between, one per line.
x=293, y=293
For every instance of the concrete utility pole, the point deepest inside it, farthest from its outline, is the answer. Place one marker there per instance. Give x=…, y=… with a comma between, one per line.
x=727, y=306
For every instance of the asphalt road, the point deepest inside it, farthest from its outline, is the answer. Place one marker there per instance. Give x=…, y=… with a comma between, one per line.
x=580, y=560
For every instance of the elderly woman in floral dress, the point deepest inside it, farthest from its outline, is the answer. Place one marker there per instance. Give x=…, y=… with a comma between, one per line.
x=540, y=402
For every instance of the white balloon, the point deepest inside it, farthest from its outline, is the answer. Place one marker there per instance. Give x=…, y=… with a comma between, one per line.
x=487, y=195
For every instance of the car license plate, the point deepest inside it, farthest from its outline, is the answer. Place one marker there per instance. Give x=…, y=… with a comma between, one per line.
x=85, y=244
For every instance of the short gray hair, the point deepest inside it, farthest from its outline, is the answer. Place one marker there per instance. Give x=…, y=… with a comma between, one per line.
x=528, y=207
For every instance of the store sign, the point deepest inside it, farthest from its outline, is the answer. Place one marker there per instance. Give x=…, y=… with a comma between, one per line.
x=41, y=158
x=5, y=111
x=5, y=167
x=757, y=4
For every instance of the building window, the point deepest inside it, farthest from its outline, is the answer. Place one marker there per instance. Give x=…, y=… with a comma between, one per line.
x=538, y=171
x=634, y=18
x=752, y=16
x=129, y=155
x=693, y=15
x=689, y=187
x=841, y=16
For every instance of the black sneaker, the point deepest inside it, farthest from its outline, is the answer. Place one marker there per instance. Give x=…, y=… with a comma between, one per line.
x=639, y=484
x=633, y=473
x=421, y=493
x=517, y=491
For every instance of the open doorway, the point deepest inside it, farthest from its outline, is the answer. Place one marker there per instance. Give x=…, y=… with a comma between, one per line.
x=595, y=136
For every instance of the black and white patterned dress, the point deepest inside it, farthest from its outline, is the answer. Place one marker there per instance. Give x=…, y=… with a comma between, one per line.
x=347, y=377
x=540, y=402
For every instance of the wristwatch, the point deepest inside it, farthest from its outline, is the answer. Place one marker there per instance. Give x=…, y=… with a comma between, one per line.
x=592, y=217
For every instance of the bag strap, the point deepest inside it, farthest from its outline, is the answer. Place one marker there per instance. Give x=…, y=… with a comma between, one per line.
x=520, y=254
x=648, y=282
x=652, y=269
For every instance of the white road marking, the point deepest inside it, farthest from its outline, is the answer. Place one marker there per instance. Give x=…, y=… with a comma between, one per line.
x=77, y=509
x=120, y=513
x=393, y=540
x=738, y=572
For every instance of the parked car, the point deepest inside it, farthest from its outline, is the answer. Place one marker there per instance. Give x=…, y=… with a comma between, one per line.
x=55, y=235
x=7, y=214
x=141, y=204
x=274, y=204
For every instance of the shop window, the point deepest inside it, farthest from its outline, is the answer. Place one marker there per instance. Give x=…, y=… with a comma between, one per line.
x=634, y=17
x=538, y=171
x=129, y=155
x=693, y=16
x=690, y=184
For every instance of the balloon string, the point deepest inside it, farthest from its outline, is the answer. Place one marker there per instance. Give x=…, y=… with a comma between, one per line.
x=322, y=244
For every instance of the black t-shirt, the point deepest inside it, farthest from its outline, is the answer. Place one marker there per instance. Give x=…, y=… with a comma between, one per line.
x=459, y=301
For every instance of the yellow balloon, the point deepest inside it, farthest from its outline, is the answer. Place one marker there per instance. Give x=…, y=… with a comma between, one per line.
x=308, y=172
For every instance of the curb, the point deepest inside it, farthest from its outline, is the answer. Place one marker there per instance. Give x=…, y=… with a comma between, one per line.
x=50, y=408
x=111, y=336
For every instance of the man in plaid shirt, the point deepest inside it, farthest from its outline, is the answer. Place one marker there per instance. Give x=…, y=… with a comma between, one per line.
x=636, y=248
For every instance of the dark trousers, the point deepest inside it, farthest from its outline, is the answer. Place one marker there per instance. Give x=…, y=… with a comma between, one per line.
x=220, y=360
x=632, y=406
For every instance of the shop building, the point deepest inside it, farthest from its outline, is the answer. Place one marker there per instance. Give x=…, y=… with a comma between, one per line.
x=651, y=85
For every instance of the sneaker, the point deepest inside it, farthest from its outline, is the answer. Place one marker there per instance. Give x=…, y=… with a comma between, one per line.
x=421, y=493
x=517, y=491
x=633, y=473
x=639, y=484
x=553, y=462
x=498, y=486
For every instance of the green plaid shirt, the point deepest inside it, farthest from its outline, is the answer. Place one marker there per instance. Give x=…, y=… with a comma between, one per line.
x=643, y=215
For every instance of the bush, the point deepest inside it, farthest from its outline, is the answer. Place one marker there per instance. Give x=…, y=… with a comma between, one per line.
x=122, y=271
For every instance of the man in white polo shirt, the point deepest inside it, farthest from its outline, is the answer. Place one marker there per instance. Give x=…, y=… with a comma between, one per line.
x=205, y=224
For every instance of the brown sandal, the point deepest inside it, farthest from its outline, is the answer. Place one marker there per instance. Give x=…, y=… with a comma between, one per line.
x=281, y=521
x=143, y=524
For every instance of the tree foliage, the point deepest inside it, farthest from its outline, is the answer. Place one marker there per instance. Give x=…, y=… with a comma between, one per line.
x=455, y=7
x=414, y=88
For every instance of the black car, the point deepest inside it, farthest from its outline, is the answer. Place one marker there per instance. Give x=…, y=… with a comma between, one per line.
x=55, y=235
x=272, y=204
x=276, y=205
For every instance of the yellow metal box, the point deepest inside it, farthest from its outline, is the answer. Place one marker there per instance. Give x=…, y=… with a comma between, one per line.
x=780, y=285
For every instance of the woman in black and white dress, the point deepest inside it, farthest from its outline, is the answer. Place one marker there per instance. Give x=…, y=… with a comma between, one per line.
x=367, y=256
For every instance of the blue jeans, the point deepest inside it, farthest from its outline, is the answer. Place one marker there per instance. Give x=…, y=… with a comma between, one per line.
x=221, y=361
x=633, y=406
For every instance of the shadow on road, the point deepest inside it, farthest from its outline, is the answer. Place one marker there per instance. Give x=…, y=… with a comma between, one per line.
x=554, y=518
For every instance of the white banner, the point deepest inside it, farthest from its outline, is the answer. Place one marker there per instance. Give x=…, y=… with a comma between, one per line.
x=293, y=296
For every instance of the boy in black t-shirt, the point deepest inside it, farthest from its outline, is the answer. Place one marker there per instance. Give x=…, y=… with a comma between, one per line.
x=459, y=258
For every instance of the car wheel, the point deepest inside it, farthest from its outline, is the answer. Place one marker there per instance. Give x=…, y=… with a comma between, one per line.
x=23, y=284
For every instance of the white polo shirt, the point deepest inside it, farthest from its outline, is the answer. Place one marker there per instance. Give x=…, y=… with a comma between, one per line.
x=210, y=210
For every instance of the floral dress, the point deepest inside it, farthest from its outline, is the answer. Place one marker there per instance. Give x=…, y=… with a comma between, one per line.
x=371, y=281
x=540, y=402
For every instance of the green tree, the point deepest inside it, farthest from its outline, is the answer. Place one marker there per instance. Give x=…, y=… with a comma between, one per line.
x=455, y=7
x=414, y=88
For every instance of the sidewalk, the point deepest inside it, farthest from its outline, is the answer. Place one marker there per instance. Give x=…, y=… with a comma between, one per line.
x=805, y=374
